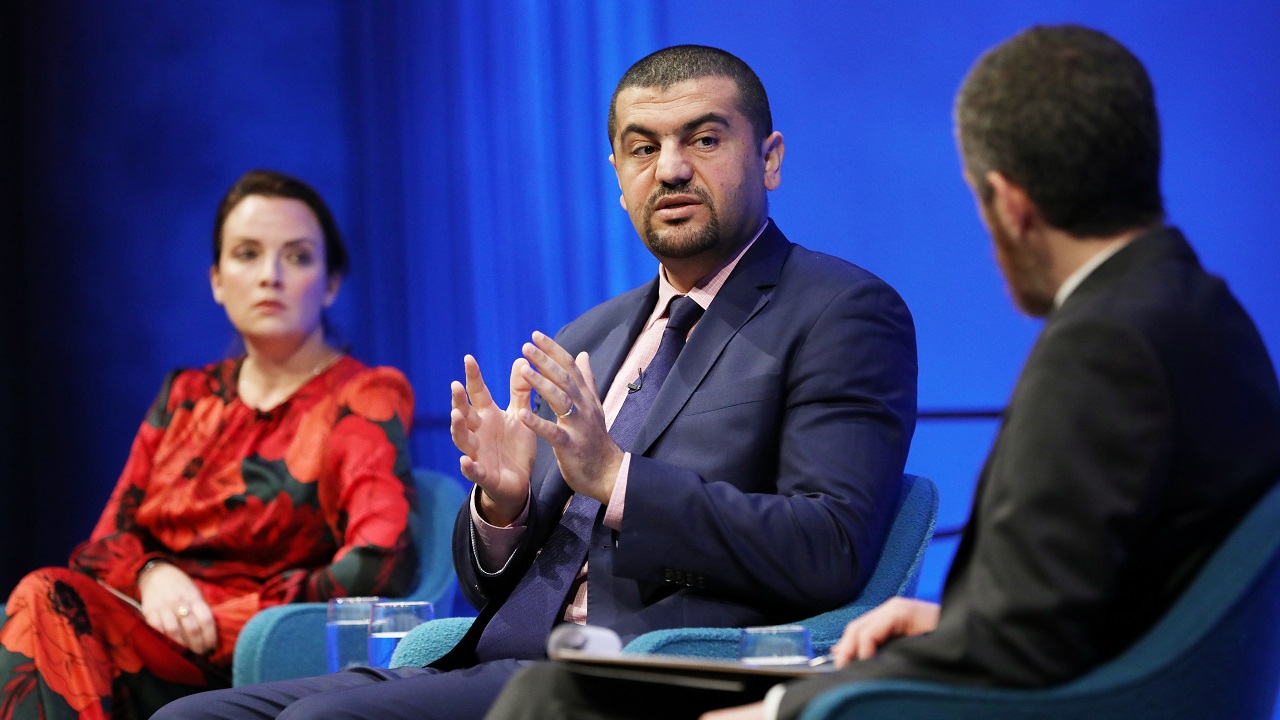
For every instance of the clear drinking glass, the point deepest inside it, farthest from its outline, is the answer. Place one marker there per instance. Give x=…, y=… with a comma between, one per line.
x=390, y=621
x=346, y=630
x=780, y=645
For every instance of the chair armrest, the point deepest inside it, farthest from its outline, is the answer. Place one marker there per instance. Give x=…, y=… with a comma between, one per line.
x=280, y=643
x=921, y=700
x=430, y=641
x=825, y=629
x=715, y=643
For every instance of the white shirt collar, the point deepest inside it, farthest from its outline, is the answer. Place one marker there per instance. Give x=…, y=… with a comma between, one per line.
x=1074, y=279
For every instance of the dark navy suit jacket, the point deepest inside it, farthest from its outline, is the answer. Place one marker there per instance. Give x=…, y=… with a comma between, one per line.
x=762, y=482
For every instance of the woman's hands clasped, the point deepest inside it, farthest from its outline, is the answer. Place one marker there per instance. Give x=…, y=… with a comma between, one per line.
x=172, y=604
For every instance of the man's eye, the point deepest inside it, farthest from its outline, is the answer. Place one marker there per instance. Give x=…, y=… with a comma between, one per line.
x=644, y=151
x=707, y=141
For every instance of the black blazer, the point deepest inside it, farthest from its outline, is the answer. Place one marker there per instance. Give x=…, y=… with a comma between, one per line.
x=1144, y=425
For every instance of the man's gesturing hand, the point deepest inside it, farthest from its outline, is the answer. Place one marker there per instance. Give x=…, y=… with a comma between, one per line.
x=589, y=458
x=497, y=449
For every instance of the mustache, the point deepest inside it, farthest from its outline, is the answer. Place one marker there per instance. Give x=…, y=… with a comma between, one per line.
x=667, y=191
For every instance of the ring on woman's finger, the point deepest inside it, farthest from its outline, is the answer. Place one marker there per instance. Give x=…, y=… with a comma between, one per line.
x=183, y=611
x=566, y=413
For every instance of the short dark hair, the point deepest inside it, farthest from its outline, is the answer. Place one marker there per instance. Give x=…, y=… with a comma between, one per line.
x=679, y=63
x=1068, y=114
x=272, y=183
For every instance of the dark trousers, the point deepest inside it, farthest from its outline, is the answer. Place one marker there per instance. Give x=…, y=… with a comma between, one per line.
x=547, y=690
x=359, y=693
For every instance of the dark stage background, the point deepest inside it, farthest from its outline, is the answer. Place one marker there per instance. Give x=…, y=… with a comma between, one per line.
x=462, y=147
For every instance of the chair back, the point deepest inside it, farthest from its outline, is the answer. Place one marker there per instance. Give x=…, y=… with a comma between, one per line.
x=1215, y=654
x=896, y=572
x=288, y=641
x=439, y=497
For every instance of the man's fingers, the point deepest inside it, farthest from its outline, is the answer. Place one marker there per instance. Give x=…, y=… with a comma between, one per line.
x=583, y=361
x=458, y=399
x=472, y=470
x=553, y=394
x=476, y=389
x=555, y=363
x=555, y=435
x=462, y=432
x=520, y=387
x=867, y=645
x=558, y=354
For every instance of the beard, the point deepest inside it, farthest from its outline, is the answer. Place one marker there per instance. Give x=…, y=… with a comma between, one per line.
x=1025, y=273
x=685, y=239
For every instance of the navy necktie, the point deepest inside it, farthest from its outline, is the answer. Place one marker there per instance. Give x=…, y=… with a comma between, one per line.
x=520, y=627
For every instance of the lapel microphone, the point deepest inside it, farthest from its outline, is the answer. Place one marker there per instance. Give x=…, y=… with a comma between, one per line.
x=636, y=384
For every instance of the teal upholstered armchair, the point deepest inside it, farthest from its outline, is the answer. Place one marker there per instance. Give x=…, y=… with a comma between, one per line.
x=288, y=641
x=896, y=573
x=1215, y=654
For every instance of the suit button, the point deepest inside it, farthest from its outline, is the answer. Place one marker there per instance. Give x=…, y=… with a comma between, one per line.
x=666, y=574
x=702, y=582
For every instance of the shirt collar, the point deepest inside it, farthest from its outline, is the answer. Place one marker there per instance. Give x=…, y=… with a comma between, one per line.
x=1074, y=279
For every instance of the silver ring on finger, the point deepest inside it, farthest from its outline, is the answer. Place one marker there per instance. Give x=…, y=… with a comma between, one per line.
x=566, y=413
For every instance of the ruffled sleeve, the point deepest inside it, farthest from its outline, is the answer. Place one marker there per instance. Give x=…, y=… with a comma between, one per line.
x=118, y=547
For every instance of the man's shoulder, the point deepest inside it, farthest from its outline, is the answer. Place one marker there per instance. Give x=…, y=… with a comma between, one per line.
x=811, y=266
x=1155, y=286
x=611, y=313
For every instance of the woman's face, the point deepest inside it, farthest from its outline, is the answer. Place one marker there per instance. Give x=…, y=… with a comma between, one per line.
x=271, y=276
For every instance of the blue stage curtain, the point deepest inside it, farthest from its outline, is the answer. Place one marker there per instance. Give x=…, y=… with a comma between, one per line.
x=483, y=195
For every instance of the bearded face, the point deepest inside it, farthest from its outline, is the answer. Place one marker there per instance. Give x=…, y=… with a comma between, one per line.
x=1024, y=264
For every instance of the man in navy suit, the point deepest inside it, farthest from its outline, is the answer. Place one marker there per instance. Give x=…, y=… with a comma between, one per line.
x=1144, y=425
x=722, y=446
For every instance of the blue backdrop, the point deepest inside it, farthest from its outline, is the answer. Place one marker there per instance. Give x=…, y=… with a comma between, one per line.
x=462, y=147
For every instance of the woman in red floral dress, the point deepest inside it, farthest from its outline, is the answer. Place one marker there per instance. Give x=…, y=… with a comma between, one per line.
x=279, y=476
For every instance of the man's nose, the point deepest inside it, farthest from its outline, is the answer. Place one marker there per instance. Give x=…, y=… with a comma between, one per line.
x=674, y=167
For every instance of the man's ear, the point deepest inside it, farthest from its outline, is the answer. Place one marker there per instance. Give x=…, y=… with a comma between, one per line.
x=622, y=199
x=1011, y=206
x=215, y=282
x=773, y=148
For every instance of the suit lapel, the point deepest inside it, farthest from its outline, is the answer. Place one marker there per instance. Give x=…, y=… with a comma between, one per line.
x=620, y=331
x=746, y=292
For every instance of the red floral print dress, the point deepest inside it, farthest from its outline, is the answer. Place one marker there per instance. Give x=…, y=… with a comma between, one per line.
x=304, y=502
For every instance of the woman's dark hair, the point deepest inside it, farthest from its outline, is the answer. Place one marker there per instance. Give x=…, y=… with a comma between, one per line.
x=271, y=183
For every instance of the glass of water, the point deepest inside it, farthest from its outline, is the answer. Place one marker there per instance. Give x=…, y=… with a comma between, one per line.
x=345, y=631
x=779, y=645
x=391, y=620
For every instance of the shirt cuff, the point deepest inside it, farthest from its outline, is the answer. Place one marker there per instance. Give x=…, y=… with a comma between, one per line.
x=495, y=545
x=773, y=701
x=618, y=499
